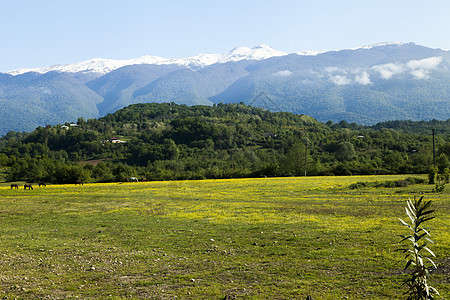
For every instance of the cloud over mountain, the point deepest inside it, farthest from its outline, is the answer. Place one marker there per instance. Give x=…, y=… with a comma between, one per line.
x=388, y=70
x=420, y=69
x=340, y=79
x=283, y=73
x=363, y=78
x=363, y=85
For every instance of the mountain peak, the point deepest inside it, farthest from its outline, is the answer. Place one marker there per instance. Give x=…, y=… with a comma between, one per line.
x=256, y=53
x=102, y=66
x=383, y=44
x=263, y=46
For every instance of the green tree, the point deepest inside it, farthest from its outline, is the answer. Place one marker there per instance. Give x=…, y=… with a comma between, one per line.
x=170, y=149
x=442, y=162
x=3, y=159
x=294, y=162
x=345, y=151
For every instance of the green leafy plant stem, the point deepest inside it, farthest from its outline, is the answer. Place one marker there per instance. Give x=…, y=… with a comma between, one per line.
x=418, y=212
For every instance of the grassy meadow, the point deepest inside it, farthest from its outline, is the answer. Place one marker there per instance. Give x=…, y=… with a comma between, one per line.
x=265, y=238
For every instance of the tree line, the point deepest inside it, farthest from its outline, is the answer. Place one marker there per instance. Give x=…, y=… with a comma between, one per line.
x=168, y=141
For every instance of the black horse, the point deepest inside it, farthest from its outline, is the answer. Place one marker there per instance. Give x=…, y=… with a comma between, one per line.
x=42, y=184
x=78, y=181
x=27, y=186
x=14, y=186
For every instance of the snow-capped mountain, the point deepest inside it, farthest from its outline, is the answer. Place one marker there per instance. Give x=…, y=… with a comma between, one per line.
x=104, y=66
x=383, y=44
x=365, y=85
x=101, y=66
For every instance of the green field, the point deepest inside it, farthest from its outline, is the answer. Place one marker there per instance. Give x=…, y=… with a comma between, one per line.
x=265, y=238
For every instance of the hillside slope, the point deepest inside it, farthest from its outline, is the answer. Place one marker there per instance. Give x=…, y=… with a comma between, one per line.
x=365, y=85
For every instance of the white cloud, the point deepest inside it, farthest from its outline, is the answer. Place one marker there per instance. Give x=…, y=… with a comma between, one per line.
x=420, y=73
x=337, y=75
x=426, y=63
x=341, y=76
x=388, y=70
x=420, y=69
x=334, y=70
x=340, y=80
x=363, y=78
x=284, y=73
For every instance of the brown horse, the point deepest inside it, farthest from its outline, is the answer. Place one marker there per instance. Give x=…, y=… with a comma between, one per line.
x=14, y=186
x=144, y=179
x=42, y=184
x=78, y=181
x=27, y=186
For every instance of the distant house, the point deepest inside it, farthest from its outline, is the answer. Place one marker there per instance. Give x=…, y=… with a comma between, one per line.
x=116, y=141
x=270, y=135
x=70, y=125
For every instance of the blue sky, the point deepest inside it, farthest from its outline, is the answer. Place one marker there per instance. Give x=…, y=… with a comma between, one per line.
x=47, y=32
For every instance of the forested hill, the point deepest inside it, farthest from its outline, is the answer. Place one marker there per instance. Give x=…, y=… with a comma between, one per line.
x=169, y=141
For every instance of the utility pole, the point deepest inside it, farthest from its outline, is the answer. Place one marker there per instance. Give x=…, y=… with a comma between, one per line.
x=434, y=151
x=306, y=151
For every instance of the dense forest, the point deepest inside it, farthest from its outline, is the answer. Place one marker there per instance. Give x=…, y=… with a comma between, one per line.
x=169, y=141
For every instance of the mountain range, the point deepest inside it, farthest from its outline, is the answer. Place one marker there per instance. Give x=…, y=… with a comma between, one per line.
x=366, y=85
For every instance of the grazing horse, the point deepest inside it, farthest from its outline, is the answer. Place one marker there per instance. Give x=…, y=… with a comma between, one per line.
x=42, y=184
x=78, y=181
x=143, y=179
x=14, y=186
x=27, y=186
x=134, y=179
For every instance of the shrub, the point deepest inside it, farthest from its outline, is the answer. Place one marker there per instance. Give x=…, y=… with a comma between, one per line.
x=416, y=180
x=446, y=175
x=387, y=183
x=358, y=185
x=439, y=184
x=432, y=175
x=401, y=183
